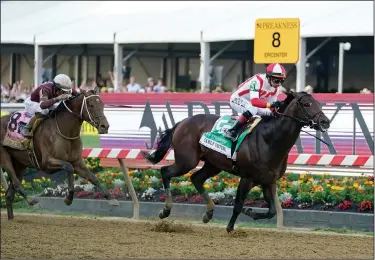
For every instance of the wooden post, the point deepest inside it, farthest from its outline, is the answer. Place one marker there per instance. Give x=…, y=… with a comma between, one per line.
x=279, y=211
x=130, y=186
x=3, y=180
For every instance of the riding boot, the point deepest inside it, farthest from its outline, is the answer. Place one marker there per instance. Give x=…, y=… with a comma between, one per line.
x=232, y=133
x=27, y=130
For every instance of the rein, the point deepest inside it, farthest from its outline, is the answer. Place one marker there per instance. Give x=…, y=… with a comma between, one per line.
x=84, y=105
x=306, y=122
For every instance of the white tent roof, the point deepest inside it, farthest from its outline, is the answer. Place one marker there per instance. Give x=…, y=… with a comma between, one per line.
x=151, y=22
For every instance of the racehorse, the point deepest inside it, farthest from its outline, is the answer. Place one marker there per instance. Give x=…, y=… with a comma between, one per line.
x=56, y=146
x=261, y=159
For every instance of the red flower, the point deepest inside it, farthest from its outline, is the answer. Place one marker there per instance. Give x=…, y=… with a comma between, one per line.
x=287, y=203
x=163, y=197
x=365, y=205
x=345, y=205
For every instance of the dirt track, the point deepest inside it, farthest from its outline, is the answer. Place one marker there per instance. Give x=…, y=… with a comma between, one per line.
x=48, y=236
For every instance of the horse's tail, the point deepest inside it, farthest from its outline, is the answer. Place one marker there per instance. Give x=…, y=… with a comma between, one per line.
x=162, y=146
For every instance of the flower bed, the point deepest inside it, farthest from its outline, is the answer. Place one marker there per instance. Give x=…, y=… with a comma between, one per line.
x=321, y=192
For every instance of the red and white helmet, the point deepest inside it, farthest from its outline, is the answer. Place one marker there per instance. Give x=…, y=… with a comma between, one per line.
x=275, y=70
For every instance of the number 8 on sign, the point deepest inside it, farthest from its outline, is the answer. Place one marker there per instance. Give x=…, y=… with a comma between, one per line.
x=276, y=40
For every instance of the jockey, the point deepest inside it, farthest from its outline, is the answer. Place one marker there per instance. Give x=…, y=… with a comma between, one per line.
x=256, y=96
x=45, y=97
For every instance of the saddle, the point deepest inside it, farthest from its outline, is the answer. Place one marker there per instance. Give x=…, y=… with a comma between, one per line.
x=14, y=137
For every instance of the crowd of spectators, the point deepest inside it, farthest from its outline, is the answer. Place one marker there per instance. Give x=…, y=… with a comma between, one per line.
x=18, y=92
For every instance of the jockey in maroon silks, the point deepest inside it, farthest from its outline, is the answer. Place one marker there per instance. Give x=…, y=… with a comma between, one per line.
x=47, y=96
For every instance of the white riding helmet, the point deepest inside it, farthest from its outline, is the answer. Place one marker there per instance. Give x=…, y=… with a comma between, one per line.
x=63, y=82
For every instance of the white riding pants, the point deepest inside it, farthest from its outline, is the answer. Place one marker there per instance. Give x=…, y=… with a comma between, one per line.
x=32, y=107
x=241, y=105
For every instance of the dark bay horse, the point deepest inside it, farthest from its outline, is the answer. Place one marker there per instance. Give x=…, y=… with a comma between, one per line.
x=57, y=146
x=261, y=159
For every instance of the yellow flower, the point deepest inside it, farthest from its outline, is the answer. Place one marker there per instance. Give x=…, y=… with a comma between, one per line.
x=187, y=175
x=147, y=177
x=302, y=176
x=207, y=186
x=23, y=182
x=256, y=188
x=310, y=179
x=336, y=187
x=355, y=185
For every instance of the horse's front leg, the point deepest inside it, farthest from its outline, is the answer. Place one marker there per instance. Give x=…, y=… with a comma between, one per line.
x=269, y=191
x=81, y=169
x=56, y=165
x=243, y=189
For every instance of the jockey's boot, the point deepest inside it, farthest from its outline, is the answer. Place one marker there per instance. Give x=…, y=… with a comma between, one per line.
x=232, y=133
x=27, y=130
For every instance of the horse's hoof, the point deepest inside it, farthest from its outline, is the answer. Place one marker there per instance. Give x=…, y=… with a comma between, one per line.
x=205, y=218
x=68, y=202
x=208, y=215
x=230, y=229
x=250, y=213
x=113, y=202
x=37, y=206
x=164, y=213
x=32, y=201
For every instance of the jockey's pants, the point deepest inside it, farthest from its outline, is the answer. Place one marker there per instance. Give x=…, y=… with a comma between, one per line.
x=241, y=105
x=32, y=107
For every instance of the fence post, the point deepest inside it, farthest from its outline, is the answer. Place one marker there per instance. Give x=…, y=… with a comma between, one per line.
x=279, y=211
x=131, y=189
x=3, y=180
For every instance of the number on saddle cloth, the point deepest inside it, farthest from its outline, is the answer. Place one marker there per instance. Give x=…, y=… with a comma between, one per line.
x=18, y=120
x=216, y=141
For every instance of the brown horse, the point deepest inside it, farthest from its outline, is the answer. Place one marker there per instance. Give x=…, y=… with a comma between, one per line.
x=57, y=146
x=261, y=158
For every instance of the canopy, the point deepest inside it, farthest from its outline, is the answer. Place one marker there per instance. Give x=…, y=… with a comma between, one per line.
x=85, y=22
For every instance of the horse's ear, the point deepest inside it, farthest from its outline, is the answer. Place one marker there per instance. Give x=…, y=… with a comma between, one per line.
x=289, y=92
x=96, y=90
x=82, y=91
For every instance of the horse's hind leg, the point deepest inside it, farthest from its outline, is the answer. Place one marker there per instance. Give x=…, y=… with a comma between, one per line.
x=168, y=172
x=7, y=165
x=198, y=178
x=9, y=197
x=11, y=192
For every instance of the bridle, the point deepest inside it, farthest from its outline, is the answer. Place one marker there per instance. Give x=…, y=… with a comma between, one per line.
x=93, y=120
x=306, y=121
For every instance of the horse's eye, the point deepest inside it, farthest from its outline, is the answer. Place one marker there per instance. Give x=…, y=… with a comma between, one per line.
x=307, y=104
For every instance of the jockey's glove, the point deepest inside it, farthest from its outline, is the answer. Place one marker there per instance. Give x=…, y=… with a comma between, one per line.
x=276, y=104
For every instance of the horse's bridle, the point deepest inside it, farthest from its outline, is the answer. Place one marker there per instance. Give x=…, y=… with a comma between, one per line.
x=306, y=121
x=83, y=106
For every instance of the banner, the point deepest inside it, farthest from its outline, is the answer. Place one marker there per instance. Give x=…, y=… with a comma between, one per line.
x=351, y=116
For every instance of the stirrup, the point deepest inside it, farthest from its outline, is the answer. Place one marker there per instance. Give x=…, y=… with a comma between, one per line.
x=227, y=134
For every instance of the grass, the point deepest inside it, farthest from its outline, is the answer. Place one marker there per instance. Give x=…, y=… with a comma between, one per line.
x=90, y=141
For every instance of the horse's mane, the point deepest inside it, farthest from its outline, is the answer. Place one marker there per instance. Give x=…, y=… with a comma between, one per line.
x=61, y=106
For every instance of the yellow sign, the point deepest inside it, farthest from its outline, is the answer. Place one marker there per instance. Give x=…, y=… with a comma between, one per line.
x=277, y=40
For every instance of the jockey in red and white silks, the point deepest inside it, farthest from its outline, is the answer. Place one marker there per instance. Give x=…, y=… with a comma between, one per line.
x=256, y=96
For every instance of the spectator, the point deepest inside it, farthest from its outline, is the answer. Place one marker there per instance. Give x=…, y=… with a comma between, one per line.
x=160, y=88
x=133, y=87
x=365, y=91
x=150, y=85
